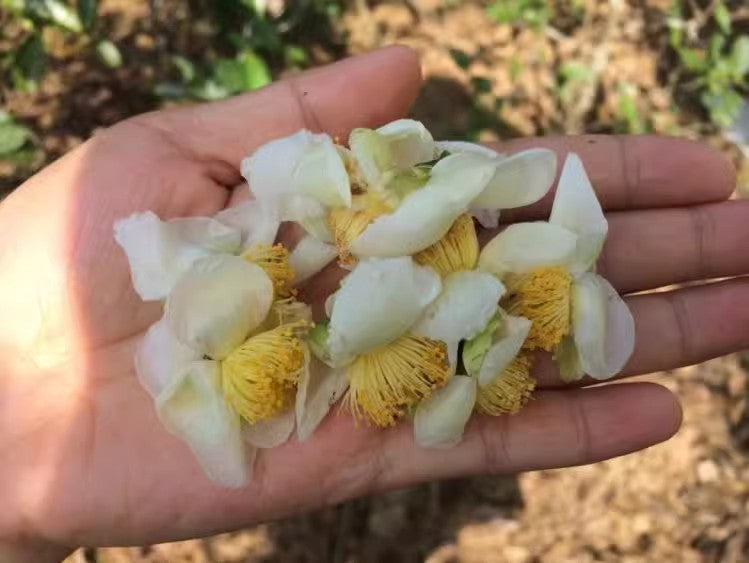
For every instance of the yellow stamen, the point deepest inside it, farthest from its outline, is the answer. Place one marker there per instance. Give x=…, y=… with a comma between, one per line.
x=543, y=297
x=274, y=259
x=510, y=391
x=387, y=381
x=457, y=250
x=347, y=223
x=259, y=377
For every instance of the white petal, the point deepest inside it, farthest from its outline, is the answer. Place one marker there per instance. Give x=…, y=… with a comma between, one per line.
x=159, y=252
x=300, y=164
x=466, y=304
x=258, y=221
x=193, y=408
x=410, y=142
x=378, y=302
x=524, y=246
x=319, y=389
x=487, y=218
x=603, y=327
x=425, y=215
x=216, y=304
x=309, y=257
x=394, y=147
x=440, y=420
x=464, y=146
x=320, y=173
x=520, y=179
x=503, y=351
x=576, y=208
x=159, y=357
x=270, y=433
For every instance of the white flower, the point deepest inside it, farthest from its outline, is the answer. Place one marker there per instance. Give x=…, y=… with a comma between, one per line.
x=414, y=188
x=371, y=344
x=467, y=310
x=547, y=269
x=223, y=364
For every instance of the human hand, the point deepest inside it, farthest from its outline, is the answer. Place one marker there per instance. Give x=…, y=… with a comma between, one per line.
x=85, y=459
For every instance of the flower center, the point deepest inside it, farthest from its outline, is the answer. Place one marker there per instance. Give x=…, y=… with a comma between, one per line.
x=457, y=250
x=510, y=390
x=259, y=377
x=543, y=297
x=385, y=382
x=347, y=223
x=274, y=260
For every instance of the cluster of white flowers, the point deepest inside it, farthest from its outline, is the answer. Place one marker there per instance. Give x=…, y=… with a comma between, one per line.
x=425, y=325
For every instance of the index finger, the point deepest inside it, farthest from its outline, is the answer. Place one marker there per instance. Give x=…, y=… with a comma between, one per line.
x=636, y=171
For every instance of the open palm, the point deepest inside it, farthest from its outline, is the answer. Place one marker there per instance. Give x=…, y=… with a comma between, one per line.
x=85, y=460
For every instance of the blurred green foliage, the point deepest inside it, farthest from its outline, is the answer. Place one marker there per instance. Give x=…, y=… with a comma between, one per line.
x=535, y=13
x=260, y=39
x=718, y=62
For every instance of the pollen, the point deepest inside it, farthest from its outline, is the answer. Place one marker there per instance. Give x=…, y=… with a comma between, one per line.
x=457, y=250
x=389, y=380
x=347, y=223
x=259, y=377
x=274, y=260
x=510, y=391
x=543, y=297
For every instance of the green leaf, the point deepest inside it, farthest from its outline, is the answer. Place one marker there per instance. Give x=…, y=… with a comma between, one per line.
x=693, y=59
x=256, y=71
x=12, y=137
x=295, y=55
x=481, y=85
x=722, y=17
x=185, y=67
x=461, y=58
x=628, y=109
x=717, y=42
x=87, y=12
x=740, y=57
x=29, y=64
x=55, y=12
x=109, y=54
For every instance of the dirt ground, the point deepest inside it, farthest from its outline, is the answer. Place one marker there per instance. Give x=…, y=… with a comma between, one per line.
x=685, y=500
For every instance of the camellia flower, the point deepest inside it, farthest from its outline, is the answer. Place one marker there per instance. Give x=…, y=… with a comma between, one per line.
x=228, y=362
x=496, y=379
x=547, y=267
x=223, y=364
x=369, y=340
x=407, y=188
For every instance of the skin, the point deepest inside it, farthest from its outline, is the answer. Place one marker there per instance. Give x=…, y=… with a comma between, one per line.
x=85, y=460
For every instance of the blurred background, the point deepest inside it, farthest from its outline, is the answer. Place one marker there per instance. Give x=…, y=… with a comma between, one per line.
x=493, y=70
